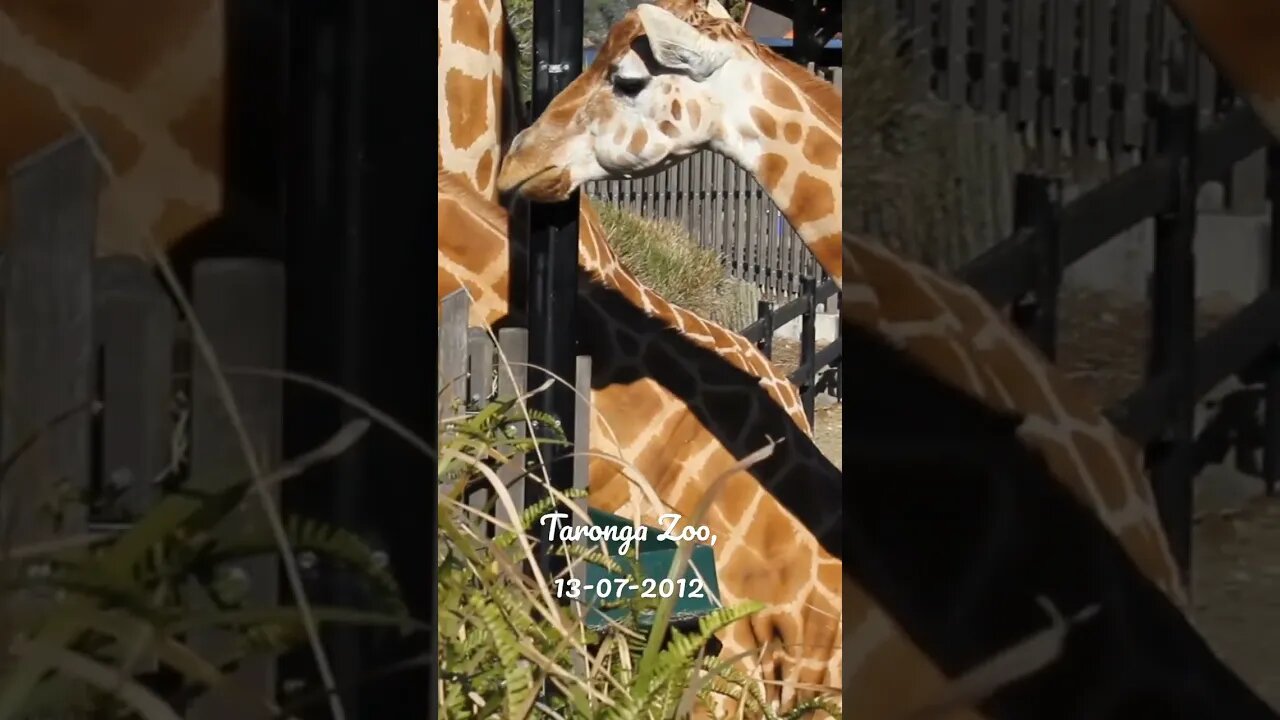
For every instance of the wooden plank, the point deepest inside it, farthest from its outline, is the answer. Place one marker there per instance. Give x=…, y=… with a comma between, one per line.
x=1134, y=17
x=135, y=326
x=48, y=358
x=991, y=29
x=1001, y=184
x=582, y=426
x=513, y=376
x=954, y=26
x=1098, y=41
x=1027, y=34
x=451, y=380
x=718, y=211
x=480, y=356
x=741, y=238
x=660, y=203
x=1206, y=85
x=1248, y=185
x=1061, y=30
x=240, y=306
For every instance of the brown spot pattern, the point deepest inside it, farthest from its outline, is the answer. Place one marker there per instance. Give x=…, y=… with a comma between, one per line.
x=765, y=122
x=772, y=168
x=811, y=200
x=121, y=43
x=638, y=141
x=791, y=132
x=821, y=149
x=676, y=112
x=468, y=96
x=199, y=129
x=779, y=93
x=668, y=128
x=695, y=112
x=469, y=25
x=485, y=170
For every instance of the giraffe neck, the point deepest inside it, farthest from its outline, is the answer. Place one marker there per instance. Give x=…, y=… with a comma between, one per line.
x=471, y=91
x=154, y=106
x=791, y=141
x=679, y=409
x=480, y=263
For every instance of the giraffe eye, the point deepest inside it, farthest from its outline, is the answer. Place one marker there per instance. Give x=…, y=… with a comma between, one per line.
x=629, y=86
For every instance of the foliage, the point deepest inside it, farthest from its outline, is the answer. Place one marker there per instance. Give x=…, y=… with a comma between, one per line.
x=665, y=257
x=92, y=609
x=906, y=179
x=503, y=639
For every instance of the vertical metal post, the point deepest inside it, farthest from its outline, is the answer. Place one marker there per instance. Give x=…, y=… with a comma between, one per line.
x=809, y=344
x=1271, y=392
x=764, y=311
x=1173, y=331
x=1037, y=314
x=357, y=313
x=553, y=249
x=803, y=42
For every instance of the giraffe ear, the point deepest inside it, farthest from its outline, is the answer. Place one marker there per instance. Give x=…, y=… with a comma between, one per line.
x=677, y=45
x=717, y=10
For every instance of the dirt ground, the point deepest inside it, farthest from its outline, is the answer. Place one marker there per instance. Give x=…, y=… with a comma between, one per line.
x=1236, y=545
x=1236, y=542
x=828, y=417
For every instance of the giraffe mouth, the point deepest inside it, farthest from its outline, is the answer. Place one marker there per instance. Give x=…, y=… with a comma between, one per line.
x=546, y=184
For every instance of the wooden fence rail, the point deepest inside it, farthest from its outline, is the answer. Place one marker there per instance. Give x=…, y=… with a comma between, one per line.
x=1025, y=272
x=473, y=372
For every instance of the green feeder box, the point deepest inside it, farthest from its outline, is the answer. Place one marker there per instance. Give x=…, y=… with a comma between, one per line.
x=693, y=592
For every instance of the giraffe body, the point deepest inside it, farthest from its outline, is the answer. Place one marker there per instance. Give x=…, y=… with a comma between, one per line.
x=656, y=421
x=663, y=399
x=146, y=78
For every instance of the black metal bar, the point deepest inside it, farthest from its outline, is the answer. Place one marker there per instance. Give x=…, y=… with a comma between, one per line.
x=804, y=40
x=1036, y=313
x=553, y=254
x=1173, y=332
x=352, y=245
x=809, y=345
x=765, y=314
x=1271, y=392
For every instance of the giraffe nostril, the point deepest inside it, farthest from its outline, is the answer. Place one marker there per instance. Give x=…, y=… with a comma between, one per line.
x=517, y=142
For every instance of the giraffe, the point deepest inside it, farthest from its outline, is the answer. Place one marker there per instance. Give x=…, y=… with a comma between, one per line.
x=671, y=79
x=470, y=88
x=153, y=102
x=788, y=136
x=682, y=407
x=681, y=461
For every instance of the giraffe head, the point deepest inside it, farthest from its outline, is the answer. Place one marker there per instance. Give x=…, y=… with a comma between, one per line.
x=671, y=78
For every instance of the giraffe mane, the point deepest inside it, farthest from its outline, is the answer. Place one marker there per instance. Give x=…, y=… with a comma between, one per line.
x=822, y=93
